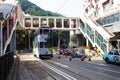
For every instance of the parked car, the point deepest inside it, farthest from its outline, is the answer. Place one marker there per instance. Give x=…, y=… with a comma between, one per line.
x=68, y=51
x=79, y=52
x=61, y=50
x=112, y=56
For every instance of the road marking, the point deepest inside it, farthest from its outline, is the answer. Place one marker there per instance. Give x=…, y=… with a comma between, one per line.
x=68, y=77
x=61, y=65
x=98, y=63
x=107, y=70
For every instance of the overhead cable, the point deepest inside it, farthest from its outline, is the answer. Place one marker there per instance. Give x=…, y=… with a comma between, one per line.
x=65, y=2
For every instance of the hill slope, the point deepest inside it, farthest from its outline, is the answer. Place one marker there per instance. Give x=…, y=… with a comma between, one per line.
x=33, y=9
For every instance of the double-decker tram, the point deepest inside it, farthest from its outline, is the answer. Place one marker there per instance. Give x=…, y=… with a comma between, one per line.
x=40, y=44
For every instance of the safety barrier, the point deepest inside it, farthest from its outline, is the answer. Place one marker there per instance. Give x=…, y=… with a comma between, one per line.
x=6, y=62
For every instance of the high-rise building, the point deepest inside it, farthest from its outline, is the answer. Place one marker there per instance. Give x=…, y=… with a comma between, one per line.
x=102, y=18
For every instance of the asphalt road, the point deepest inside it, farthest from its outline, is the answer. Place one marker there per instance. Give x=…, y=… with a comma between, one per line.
x=32, y=68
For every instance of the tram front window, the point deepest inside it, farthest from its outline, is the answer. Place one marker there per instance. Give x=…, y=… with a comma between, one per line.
x=43, y=45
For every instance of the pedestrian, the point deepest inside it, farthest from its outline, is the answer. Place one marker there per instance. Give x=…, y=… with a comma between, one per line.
x=63, y=52
x=119, y=51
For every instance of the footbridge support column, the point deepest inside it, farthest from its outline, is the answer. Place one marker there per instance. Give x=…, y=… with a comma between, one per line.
x=87, y=42
x=1, y=18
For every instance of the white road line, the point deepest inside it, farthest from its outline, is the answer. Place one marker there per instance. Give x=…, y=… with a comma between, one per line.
x=59, y=72
x=98, y=63
x=107, y=70
x=62, y=65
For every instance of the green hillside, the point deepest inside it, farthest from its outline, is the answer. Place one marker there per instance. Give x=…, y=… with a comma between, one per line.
x=33, y=9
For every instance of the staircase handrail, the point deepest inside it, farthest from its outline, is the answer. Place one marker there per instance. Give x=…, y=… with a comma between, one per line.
x=98, y=27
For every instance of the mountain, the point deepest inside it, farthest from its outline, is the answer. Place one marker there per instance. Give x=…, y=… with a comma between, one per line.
x=33, y=9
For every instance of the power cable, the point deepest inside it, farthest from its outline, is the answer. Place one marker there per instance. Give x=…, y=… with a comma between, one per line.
x=65, y=2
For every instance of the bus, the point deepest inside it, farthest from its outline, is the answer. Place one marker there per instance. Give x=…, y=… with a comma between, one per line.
x=40, y=43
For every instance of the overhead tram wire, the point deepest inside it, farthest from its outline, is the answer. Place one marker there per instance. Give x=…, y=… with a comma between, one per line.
x=65, y=2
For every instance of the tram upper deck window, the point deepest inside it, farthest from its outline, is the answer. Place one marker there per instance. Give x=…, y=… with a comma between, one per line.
x=40, y=31
x=43, y=45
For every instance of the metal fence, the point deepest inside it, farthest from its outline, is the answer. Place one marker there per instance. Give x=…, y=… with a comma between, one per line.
x=6, y=62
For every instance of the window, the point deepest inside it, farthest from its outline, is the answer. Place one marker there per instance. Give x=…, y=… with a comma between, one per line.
x=116, y=52
x=27, y=22
x=35, y=22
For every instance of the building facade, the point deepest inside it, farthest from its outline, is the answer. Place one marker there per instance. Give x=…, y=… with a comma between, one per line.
x=106, y=14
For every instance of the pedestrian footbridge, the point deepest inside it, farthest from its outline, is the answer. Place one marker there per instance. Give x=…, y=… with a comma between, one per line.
x=12, y=18
x=56, y=23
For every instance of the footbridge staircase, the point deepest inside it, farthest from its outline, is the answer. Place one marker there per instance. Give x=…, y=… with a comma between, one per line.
x=97, y=34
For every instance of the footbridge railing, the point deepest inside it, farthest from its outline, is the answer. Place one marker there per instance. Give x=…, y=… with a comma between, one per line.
x=96, y=34
x=58, y=23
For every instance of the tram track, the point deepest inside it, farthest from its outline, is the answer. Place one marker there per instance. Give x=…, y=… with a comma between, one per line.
x=80, y=74
x=31, y=70
x=35, y=70
x=52, y=76
x=38, y=69
x=69, y=71
x=28, y=70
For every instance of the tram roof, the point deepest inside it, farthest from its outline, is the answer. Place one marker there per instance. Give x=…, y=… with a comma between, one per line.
x=45, y=28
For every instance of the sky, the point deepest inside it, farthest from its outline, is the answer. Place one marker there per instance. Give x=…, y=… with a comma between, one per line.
x=69, y=8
